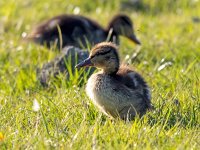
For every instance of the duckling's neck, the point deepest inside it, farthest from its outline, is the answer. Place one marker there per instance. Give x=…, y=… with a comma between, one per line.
x=110, y=70
x=110, y=31
x=112, y=34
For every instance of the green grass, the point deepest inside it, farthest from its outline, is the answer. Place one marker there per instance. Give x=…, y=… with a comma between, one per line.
x=67, y=118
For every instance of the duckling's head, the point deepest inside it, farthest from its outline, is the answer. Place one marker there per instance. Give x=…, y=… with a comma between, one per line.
x=122, y=25
x=104, y=56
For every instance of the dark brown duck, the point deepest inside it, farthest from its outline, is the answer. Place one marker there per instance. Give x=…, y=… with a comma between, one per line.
x=80, y=31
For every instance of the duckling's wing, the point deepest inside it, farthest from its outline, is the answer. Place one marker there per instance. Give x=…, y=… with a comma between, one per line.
x=132, y=101
x=136, y=84
x=134, y=81
x=124, y=95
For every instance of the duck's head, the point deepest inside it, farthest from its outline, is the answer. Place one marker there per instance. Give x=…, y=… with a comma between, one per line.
x=104, y=56
x=122, y=25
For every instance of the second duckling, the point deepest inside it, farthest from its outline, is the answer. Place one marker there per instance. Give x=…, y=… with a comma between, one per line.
x=64, y=64
x=116, y=90
x=80, y=31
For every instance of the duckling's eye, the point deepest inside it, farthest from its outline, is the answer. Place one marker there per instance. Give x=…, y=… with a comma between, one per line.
x=107, y=57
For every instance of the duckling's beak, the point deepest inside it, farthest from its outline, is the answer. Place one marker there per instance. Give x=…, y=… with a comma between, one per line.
x=85, y=63
x=134, y=39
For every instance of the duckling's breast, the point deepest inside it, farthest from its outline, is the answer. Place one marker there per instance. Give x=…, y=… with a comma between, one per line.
x=100, y=91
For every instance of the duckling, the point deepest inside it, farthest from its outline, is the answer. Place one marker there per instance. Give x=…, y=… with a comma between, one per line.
x=64, y=63
x=79, y=30
x=116, y=90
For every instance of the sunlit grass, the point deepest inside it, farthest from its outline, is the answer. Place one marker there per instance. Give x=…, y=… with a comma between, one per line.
x=169, y=60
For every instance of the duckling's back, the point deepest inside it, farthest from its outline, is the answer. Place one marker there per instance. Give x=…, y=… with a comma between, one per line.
x=75, y=30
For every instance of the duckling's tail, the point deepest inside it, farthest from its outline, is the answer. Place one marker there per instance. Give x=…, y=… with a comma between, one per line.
x=151, y=107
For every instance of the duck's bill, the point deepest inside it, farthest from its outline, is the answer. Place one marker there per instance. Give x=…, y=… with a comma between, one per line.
x=134, y=39
x=85, y=63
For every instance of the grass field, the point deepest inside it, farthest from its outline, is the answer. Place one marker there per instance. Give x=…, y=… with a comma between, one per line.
x=169, y=60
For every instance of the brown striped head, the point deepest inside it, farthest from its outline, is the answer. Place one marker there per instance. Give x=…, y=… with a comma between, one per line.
x=122, y=25
x=104, y=56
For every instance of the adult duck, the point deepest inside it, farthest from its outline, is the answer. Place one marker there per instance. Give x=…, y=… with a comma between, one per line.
x=80, y=31
x=116, y=90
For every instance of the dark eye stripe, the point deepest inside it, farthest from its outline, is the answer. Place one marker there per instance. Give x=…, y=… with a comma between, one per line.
x=103, y=52
x=100, y=53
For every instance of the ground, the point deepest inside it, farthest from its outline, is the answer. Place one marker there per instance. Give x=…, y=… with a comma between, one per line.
x=62, y=116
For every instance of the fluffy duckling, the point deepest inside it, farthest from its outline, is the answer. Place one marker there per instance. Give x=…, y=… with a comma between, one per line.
x=116, y=90
x=79, y=30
